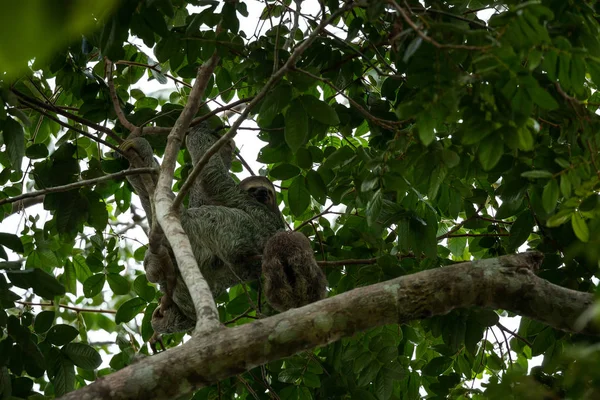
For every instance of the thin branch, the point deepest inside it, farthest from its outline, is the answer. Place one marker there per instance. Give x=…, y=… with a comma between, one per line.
x=384, y=123
x=69, y=115
x=272, y=80
x=521, y=338
x=69, y=126
x=479, y=235
x=115, y=99
x=155, y=68
x=428, y=39
x=75, y=185
x=77, y=309
x=154, y=130
x=313, y=218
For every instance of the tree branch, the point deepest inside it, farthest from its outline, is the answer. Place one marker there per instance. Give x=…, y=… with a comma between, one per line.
x=75, y=185
x=115, y=99
x=506, y=282
x=275, y=77
x=64, y=113
x=167, y=211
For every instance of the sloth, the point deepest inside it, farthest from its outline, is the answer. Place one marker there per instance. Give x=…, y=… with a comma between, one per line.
x=228, y=225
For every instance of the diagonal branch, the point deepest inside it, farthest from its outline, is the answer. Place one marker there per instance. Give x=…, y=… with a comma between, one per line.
x=167, y=211
x=506, y=282
x=115, y=99
x=75, y=185
x=289, y=64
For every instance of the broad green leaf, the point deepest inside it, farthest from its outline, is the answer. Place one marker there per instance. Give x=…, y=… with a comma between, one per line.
x=274, y=103
x=142, y=289
x=93, y=285
x=580, y=227
x=82, y=355
x=11, y=241
x=129, y=310
x=284, y=171
x=42, y=283
x=298, y=196
x=43, y=321
x=437, y=366
x=14, y=139
x=64, y=376
x=560, y=218
x=118, y=283
x=36, y=151
x=296, y=126
x=61, y=334
x=542, y=98
x=319, y=110
x=550, y=196
x=316, y=186
x=521, y=229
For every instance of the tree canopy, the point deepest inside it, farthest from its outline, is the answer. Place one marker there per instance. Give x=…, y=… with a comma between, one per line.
x=405, y=137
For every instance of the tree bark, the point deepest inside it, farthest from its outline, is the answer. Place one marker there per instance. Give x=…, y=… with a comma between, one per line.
x=506, y=282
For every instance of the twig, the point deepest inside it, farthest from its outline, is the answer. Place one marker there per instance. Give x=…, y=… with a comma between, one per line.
x=479, y=235
x=521, y=338
x=313, y=218
x=429, y=39
x=78, y=309
x=115, y=99
x=153, y=130
x=155, y=68
x=243, y=315
x=75, y=185
x=507, y=347
x=69, y=115
x=272, y=80
x=69, y=126
x=384, y=123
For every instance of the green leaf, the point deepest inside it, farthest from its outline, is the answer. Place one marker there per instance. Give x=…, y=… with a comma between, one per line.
x=535, y=174
x=559, y=218
x=37, y=151
x=14, y=139
x=437, y=366
x=118, y=283
x=64, y=376
x=93, y=285
x=82, y=355
x=284, y=171
x=129, y=310
x=542, y=98
x=274, y=103
x=412, y=47
x=374, y=207
x=565, y=186
x=82, y=271
x=142, y=289
x=11, y=241
x=61, y=334
x=70, y=278
x=43, y=321
x=296, y=126
x=542, y=342
x=319, y=110
x=550, y=196
x=580, y=227
x=521, y=229
x=316, y=186
x=426, y=127
x=42, y=283
x=298, y=196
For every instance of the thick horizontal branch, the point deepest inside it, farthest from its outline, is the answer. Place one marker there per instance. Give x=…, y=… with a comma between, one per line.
x=75, y=185
x=506, y=282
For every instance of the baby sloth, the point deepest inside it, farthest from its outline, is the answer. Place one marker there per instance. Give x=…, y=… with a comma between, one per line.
x=291, y=275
